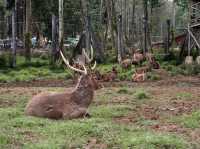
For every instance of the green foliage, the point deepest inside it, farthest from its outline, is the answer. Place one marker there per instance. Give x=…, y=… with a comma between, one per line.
x=190, y=120
x=28, y=46
x=180, y=69
x=141, y=94
x=4, y=58
x=110, y=111
x=182, y=3
x=123, y=74
x=124, y=90
x=184, y=96
x=37, y=69
x=153, y=77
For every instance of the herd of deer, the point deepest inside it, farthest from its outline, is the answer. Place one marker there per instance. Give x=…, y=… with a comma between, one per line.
x=141, y=72
x=74, y=103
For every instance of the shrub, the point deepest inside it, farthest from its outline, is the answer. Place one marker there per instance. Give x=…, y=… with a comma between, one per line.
x=153, y=77
x=141, y=94
x=124, y=90
x=44, y=56
x=4, y=57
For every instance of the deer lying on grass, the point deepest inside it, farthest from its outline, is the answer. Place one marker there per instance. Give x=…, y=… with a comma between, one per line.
x=152, y=61
x=66, y=105
x=138, y=58
x=126, y=63
x=110, y=76
x=140, y=74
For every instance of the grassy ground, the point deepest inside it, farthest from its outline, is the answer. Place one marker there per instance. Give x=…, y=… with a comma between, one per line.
x=149, y=116
x=154, y=115
x=39, y=69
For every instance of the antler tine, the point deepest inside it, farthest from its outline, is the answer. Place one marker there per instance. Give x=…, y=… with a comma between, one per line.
x=92, y=53
x=94, y=66
x=86, y=55
x=68, y=65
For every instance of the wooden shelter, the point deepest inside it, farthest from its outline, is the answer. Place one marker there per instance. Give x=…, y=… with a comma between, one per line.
x=194, y=25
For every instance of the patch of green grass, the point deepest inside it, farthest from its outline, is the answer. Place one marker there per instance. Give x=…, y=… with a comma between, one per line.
x=189, y=121
x=125, y=90
x=141, y=94
x=144, y=122
x=149, y=140
x=32, y=73
x=184, y=96
x=110, y=111
x=37, y=69
x=182, y=69
x=153, y=77
x=123, y=74
x=20, y=131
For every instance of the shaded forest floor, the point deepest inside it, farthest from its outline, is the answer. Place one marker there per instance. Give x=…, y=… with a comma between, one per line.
x=152, y=115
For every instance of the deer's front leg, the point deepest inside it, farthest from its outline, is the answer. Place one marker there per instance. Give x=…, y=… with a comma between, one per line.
x=76, y=113
x=79, y=113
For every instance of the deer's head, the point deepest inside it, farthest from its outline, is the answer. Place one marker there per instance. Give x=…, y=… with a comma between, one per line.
x=86, y=79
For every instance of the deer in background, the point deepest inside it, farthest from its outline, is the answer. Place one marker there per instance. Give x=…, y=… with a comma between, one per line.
x=126, y=63
x=140, y=74
x=152, y=61
x=69, y=104
x=138, y=58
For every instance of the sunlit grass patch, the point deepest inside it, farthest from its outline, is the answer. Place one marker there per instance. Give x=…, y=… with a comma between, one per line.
x=189, y=120
x=110, y=111
x=149, y=140
x=141, y=94
x=184, y=96
x=125, y=90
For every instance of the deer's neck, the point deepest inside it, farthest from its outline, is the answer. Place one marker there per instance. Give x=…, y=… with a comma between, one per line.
x=83, y=94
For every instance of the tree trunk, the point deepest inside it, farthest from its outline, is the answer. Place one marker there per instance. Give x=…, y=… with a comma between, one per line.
x=87, y=25
x=120, y=39
x=55, y=51
x=28, y=31
x=145, y=26
x=13, y=59
x=61, y=25
x=133, y=24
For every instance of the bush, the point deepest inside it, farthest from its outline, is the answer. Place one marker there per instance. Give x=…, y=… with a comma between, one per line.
x=4, y=58
x=44, y=56
x=153, y=77
x=191, y=69
x=4, y=79
x=141, y=94
x=124, y=90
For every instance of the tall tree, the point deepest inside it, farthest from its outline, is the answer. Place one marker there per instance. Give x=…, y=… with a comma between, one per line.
x=61, y=25
x=28, y=31
x=13, y=62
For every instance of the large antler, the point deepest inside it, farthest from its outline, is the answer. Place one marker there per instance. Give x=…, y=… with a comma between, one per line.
x=74, y=69
x=89, y=59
